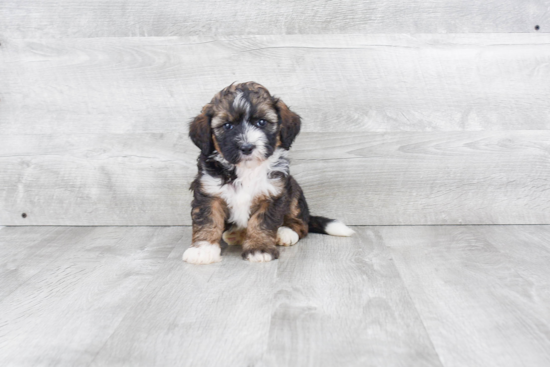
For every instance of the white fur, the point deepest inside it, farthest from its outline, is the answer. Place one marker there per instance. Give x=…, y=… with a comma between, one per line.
x=240, y=103
x=203, y=252
x=252, y=180
x=286, y=236
x=337, y=228
x=259, y=257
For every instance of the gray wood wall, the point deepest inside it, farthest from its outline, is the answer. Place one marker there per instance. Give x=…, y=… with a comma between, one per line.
x=419, y=112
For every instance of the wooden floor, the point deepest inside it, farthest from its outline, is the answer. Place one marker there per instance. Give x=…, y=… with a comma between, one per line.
x=390, y=296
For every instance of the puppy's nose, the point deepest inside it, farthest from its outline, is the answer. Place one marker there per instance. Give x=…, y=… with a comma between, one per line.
x=247, y=149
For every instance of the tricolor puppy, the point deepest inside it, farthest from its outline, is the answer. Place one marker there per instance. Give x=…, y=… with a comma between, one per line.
x=243, y=190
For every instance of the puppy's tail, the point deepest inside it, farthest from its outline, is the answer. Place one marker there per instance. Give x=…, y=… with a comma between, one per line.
x=332, y=227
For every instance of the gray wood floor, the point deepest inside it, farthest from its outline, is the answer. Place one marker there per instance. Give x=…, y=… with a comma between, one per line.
x=390, y=296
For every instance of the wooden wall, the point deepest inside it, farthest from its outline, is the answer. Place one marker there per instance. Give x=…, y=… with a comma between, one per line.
x=161, y=18
x=424, y=112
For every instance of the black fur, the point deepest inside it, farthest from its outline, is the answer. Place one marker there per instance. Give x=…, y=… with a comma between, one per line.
x=220, y=154
x=201, y=133
x=318, y=224
x=290, y=123
x=200, y=206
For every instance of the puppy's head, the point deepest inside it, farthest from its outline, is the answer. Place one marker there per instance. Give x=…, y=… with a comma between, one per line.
x=243, y=122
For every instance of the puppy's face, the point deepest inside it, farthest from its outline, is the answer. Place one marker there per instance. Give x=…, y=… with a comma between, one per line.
x=244, y=123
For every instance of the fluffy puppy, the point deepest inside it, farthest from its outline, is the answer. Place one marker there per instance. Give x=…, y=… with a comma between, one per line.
x=243, y=191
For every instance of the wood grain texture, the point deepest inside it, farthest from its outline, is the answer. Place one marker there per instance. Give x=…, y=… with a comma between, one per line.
x=341, y=302
x=335, y=82
x=361, y=178
x=115, y=297
x=87, y=179
x=24, y=252
x=427, y=178
x=391, y=295
x=125, y=18
x=196, y=315
x=64, y=314
x=482, y=292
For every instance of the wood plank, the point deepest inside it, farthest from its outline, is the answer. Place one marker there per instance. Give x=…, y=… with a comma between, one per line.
x=427, y=178
x=124, y=18
x=341, y=302
x=482, y=292
x=24, y=252
x=528, y=247
x=391, y=295
x=116, y=298
x=361, y=178
x=195, y=315
x=335, y=82
x=97, y=179
x=65, y=313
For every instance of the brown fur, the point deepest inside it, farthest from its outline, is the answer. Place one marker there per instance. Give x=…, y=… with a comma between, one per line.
x=237, y=235
x=290, y=126
x=267, y=213
x=220, y=106
x=200, y=132
x=258, y=237
x=215, y=131
x=294, y=221
x=209, y=220
x=216, y=146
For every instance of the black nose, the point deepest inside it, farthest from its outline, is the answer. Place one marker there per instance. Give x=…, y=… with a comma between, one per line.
x=247, y=148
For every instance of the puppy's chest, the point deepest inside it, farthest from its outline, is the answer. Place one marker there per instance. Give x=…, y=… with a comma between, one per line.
x=241, y=194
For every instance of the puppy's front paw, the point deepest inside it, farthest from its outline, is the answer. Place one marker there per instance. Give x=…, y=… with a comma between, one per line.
x=286, y=236
x=203, y=252
x=261, y=256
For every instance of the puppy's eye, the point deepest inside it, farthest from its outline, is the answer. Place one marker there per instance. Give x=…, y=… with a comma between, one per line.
x=261, y=123
x=227, y=126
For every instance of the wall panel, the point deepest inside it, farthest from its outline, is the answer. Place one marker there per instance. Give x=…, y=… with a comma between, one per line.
x=361, y=178
x=131, y=18
x=336, y=83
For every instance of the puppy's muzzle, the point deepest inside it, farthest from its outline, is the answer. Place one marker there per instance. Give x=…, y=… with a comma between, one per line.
x=247, y=149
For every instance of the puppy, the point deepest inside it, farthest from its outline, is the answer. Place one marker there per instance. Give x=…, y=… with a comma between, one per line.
x=243, y=191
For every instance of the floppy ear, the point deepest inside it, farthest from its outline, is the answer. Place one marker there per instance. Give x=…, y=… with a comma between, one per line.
x=290, y=124
x=201, y=133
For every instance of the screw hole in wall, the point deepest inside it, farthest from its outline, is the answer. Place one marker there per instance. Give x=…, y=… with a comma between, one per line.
x=24, y=215
x=537, y=28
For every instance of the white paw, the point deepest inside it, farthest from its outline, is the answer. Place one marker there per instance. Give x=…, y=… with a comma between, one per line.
x=286, y=236
x=259, y=257
x=203, y=252
x=234, y=236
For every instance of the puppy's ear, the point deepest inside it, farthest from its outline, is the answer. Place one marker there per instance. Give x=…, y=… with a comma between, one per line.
x=290, y=124
x=201, y=133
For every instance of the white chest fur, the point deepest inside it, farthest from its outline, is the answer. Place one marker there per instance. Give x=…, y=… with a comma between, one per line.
x=253, y=180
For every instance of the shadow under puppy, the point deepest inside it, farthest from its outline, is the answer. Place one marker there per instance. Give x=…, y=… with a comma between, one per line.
x=243, y=190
